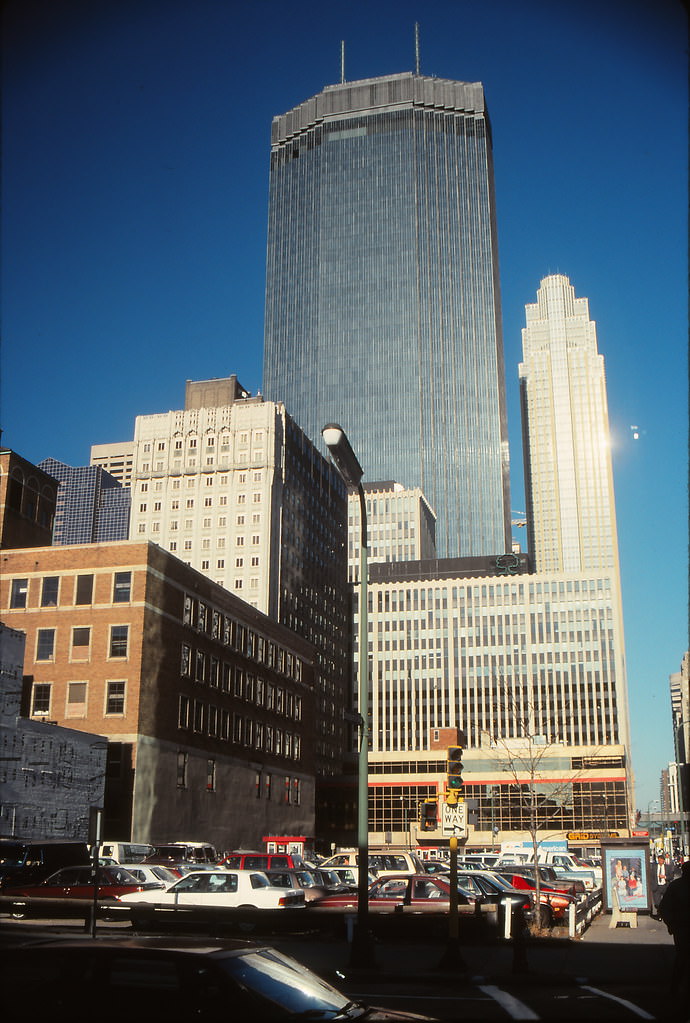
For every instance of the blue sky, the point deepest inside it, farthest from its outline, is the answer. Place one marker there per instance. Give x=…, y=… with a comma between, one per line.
x=136, y=137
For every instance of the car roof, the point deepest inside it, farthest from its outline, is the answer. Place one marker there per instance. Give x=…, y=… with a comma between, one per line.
x=197, y=946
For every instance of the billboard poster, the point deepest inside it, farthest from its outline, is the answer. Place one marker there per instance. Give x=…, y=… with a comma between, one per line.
x=625, y=869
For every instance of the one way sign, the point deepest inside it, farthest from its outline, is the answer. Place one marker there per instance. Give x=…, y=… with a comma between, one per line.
x=453, y=819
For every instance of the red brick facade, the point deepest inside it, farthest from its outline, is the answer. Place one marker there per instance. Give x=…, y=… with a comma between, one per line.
x=208, y=705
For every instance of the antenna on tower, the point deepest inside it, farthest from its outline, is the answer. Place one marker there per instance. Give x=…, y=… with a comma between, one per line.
x=342, y=61
x=416, y=47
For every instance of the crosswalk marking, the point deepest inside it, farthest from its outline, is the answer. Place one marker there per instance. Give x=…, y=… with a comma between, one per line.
x=513, y=1006
x=642, y=1013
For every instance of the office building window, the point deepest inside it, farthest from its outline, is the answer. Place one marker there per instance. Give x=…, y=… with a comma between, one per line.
x=45, y=644
x=122, y=587
x=49, y=591
x=115, y=697
x=84, y=589
x=18, y=592
x=200, y=671
x=76, y=699
x=182, y=765
x=81, y=640
x=40, y=702
x=119, y=635
x=183, y=712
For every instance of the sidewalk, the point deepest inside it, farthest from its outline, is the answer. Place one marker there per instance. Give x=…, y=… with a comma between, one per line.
x=641, y=953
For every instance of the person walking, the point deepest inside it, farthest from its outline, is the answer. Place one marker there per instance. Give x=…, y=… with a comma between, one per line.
x=674, y=910
x=663, y=872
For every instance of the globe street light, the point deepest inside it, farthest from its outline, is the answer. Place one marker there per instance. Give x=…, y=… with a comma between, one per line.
x=351, y=472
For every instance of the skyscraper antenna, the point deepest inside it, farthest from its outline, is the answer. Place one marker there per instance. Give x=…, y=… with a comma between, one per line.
x=416, y=47
x=342, y=61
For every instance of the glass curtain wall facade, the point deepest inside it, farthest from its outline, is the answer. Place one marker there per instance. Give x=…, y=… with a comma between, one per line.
x=382, y=299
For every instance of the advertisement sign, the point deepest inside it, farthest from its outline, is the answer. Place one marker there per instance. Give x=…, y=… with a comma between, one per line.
x=625, y=870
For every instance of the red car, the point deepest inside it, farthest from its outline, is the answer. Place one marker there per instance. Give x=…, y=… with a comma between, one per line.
x=554, y=902
x=424, y=893
x=76, y=883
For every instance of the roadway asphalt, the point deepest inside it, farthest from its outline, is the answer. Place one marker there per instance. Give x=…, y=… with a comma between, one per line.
x=629, y=966
x=620, y=973
x=600, y=953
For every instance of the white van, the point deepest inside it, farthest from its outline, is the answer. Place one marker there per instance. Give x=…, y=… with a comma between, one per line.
x=125, y=852
x=381, y=864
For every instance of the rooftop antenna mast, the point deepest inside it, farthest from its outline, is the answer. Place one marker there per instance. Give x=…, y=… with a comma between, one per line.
x=342, y=61
x=416, y=47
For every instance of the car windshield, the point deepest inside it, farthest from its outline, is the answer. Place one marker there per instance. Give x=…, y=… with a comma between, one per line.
x=306, y=879
x=163, y=874
x=284, y=983
x=499, y=882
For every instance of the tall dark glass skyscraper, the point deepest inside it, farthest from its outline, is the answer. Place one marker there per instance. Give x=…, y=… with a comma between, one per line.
x=382, y=297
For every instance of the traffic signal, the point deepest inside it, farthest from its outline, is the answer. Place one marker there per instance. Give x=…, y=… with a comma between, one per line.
x=429, y=815
x=454, y=768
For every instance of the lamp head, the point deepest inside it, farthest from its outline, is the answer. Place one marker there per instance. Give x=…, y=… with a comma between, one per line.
x=342, y=454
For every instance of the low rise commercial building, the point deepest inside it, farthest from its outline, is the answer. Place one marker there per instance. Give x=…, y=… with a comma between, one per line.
x=50, y=776
x=207, y=704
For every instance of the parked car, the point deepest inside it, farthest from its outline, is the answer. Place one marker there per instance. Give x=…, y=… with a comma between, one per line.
x=198, y=853
x=28, y=861
x=245, y=889
x=548, y=878
x=380, y=863
x=126, y=852
x=263, y=861
x=587, y=877
x=77, y=883
x=184, y=857
x=423, y=893
x=490, y=887
x=329, y=879
x=349, y=877
x=152, y=873
x=436, y=867
x=554, y=904
x=304, y=879
x=482, y=860
x=111, y=980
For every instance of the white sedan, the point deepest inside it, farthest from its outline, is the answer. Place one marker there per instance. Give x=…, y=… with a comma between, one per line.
x=241, y=889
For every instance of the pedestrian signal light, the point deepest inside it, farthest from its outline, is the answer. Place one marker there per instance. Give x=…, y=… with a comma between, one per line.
x=454, y=767
x=429, y=815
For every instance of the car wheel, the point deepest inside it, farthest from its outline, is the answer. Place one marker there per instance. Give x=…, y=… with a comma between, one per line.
x=18, y=912
x=247, y=926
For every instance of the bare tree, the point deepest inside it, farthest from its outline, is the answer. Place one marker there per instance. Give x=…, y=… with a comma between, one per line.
x=524, y=745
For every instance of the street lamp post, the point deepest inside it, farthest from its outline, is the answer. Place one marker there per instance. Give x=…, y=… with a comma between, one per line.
x=351, y=472
x=650, y=804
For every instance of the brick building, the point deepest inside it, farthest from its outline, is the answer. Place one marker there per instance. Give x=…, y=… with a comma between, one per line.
x=27, y=502
x=50, y=777
x=206, y=703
